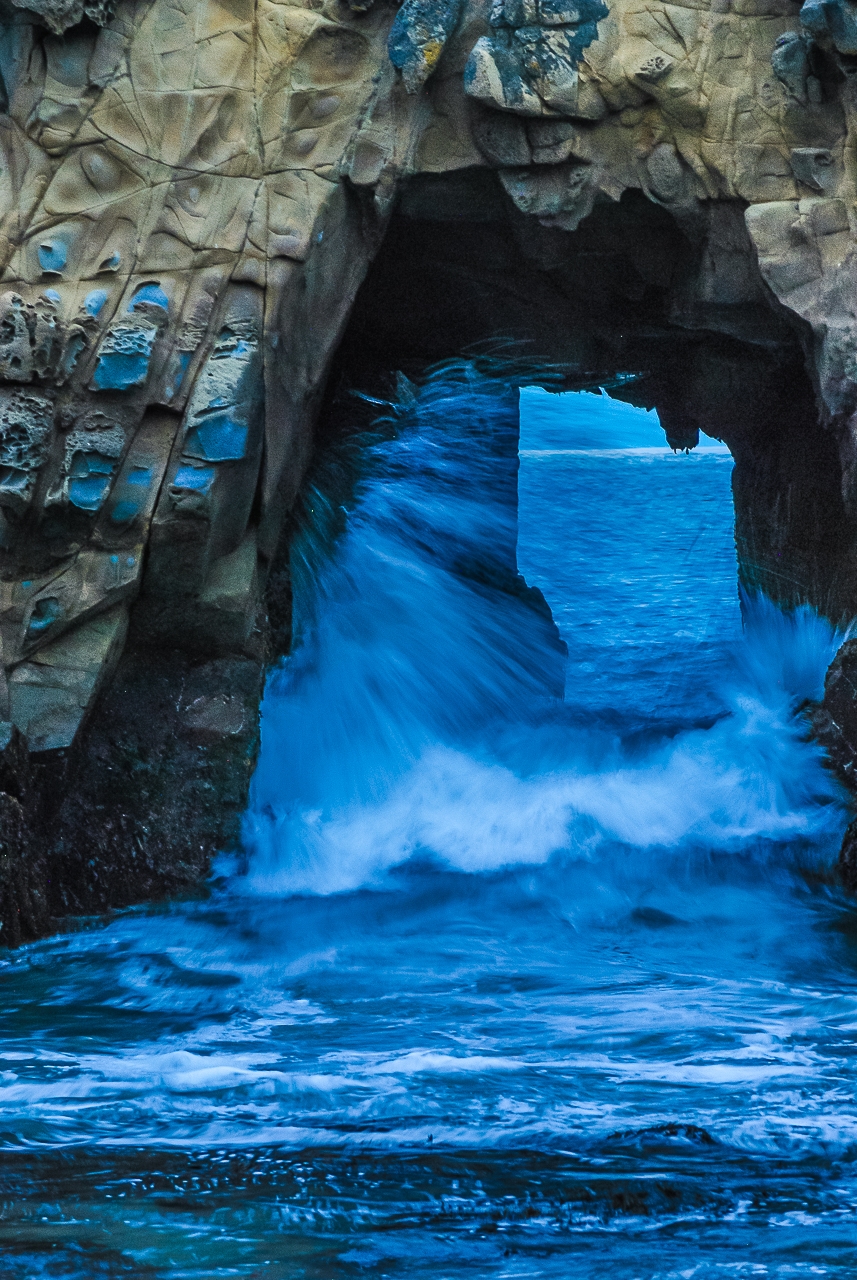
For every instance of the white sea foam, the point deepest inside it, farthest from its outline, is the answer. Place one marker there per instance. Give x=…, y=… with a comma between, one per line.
x=603, y=972
x=380, y=734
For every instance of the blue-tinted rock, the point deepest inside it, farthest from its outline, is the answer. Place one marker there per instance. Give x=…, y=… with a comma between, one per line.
x=569, y=13
x=89, y=480
x=218, y=437
x=45, y=613
x=529, y=65
x=834, y=20
x=53, y=255
x=152, y=294
x=123, y=361
x=131, y=495
x=197, y=479
x=790, y=63
x=419, y=32
x=117, y=371
x=94, y=301
x=14, y=481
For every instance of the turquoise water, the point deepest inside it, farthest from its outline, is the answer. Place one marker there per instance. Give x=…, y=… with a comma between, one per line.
x=510, y=983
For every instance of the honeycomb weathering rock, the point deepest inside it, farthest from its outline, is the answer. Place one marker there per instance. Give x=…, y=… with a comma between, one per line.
x=192, y=193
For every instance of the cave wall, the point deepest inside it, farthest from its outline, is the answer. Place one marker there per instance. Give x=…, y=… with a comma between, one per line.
x=630, y=291
x=193, y=196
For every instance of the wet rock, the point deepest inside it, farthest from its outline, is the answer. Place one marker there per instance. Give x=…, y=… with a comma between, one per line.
x=834, y=726
x=24, y=912
x=160, y=785
x=834, y=720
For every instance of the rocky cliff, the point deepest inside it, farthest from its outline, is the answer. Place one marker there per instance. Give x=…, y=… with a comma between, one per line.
x=207, y=205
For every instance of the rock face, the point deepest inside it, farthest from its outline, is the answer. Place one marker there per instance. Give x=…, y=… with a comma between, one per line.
x=207, y=207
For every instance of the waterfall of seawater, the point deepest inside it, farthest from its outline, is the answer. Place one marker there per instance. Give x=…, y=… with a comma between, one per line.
x=510, y=983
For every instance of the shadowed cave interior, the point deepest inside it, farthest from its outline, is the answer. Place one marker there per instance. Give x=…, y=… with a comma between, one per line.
x=683, y=306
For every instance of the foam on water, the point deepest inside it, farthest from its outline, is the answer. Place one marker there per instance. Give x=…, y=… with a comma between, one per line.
x=413, y=715
x=513, y=983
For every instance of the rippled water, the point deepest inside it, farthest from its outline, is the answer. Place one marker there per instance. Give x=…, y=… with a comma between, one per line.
x=509, y=985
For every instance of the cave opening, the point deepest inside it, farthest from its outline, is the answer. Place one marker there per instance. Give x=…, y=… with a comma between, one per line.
x=674, y=298
x=632, y=545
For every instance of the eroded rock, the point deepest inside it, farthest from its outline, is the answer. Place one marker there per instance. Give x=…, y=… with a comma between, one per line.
x=192, y=197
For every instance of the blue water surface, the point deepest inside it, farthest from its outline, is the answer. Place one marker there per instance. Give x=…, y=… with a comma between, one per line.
x=510, y=984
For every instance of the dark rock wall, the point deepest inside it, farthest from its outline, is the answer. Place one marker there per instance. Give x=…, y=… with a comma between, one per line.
x=155, y=787
x=632, y=290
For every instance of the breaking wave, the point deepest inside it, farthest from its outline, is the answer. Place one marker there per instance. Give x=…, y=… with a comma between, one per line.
x=420, y=716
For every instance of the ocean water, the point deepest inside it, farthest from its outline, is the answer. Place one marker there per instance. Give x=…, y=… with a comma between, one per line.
x=534, y=966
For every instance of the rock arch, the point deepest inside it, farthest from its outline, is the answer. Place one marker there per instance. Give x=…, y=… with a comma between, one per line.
x=194, y=197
